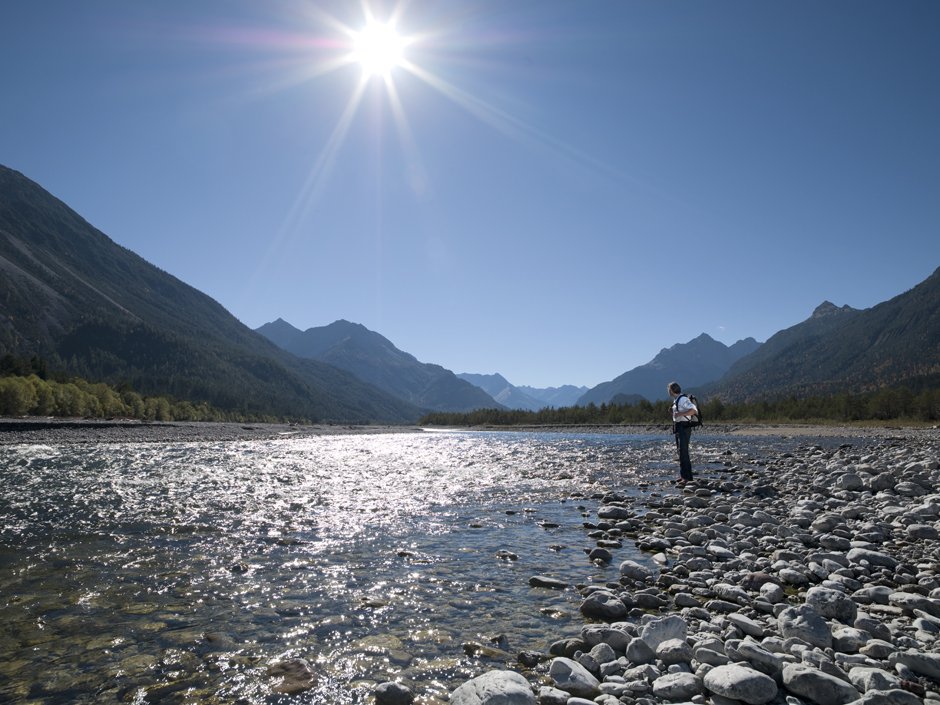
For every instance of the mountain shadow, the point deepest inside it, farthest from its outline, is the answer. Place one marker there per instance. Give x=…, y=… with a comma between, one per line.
x=692, y=364
x=374, y=359
x=895, y=343
x=95, y=309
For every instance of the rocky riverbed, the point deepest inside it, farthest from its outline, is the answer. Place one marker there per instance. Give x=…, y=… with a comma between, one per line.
x=810, y=575
x=815, y=579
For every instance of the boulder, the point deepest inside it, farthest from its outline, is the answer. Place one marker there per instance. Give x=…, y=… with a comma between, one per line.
x=657, y=631
x=293, y=676
x=741, y=683
x=573, y=678
x=494, y=688
x=677, y=686
x=818, y=687
x=832, y=604
x=635, y=571
x=923, y=663
x=807, y=624
x=604, y=606
x=393, y=694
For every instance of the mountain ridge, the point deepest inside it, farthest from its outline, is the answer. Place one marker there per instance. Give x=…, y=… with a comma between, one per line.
x=697, y=362
x=96, y=309
x=837, y=349
x=376, y=360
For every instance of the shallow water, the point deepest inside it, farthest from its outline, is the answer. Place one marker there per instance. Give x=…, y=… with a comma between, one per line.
x=177, y=573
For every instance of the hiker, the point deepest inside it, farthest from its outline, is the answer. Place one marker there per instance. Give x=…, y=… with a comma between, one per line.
x=682, y=412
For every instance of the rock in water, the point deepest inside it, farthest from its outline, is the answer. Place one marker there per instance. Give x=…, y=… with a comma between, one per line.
x=393, y=694
x=296, y=675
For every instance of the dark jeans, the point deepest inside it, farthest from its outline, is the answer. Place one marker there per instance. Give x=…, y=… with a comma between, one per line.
x=683, y=434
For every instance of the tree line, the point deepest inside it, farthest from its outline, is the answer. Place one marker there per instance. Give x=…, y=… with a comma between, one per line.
x=28, y=389
x=883, y=405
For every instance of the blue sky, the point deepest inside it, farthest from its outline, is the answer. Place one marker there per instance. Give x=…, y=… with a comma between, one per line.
x=549, y=190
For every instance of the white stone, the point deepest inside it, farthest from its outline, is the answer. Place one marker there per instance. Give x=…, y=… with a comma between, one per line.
x=741, y=683
x=574, y=678
x=816, y=686
x=494, y=688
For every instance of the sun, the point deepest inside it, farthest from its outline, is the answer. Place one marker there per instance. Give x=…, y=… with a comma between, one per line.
x=378, y=49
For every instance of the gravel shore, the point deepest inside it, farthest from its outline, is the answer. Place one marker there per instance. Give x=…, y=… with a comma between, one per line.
x=54, y=431
x=813, y=578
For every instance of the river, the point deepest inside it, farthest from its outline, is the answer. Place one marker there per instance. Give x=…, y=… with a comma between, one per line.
x=179, y=572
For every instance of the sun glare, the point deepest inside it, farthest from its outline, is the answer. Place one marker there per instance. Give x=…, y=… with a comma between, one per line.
x=378, y=49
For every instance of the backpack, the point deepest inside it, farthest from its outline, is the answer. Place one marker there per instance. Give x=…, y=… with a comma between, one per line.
x=697, y=419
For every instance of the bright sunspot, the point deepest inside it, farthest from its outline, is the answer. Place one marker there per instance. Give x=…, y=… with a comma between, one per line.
x=378, y=48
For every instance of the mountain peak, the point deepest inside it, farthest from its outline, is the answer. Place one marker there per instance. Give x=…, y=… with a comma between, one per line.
x=827, y=308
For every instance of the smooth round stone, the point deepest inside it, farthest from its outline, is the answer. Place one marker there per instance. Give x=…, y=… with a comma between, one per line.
x=674, y=651
x=923, y=532
x=807, y=624
x=741, y=683
x=605, y=606
x=572, y=677
x=677, y=686
x=832, y=604
x=393, y=694
x=746, y=625
x=543, y=581
x=816, y=686
x=494, y=687
x=293, y=676
x=635, y=571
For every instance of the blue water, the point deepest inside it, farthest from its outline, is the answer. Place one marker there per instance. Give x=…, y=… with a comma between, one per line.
x=177, y=573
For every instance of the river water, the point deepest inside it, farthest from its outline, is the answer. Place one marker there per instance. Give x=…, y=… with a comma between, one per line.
x=178, y=573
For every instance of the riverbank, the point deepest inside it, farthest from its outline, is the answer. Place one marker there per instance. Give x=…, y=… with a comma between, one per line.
x=55, y=431
x=762, y=430
x=74, y=430
x=813, y=577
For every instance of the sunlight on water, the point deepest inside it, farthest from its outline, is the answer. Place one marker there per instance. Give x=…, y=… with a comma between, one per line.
x=178, y=573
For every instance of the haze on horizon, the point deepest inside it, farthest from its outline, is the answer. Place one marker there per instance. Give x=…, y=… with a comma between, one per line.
x=549, y=190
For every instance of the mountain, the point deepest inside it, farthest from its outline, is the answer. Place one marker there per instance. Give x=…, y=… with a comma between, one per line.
x=373, y=358
x=555, y=397
x=503, y=392
x=843, y=349
x=692, y=364
x=95, y=309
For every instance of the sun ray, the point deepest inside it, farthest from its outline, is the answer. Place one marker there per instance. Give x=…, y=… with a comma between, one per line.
x=313, y=185
x=416, y=174
x=504, y=122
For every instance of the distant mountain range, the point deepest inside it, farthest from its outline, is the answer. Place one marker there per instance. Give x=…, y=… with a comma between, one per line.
x=527, y=398
x=97, y=310
x=374, y=359
x=692, y=364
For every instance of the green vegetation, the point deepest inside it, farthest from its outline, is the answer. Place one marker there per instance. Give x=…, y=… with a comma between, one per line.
x=26, y=390
x=881, y=406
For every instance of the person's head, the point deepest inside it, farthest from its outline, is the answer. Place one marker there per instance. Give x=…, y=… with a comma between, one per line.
x=674, y=389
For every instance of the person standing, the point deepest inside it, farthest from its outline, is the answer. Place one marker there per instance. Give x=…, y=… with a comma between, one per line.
x=682, y=411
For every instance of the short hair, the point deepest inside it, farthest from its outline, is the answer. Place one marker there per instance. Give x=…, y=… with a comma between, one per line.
x=675, y=388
